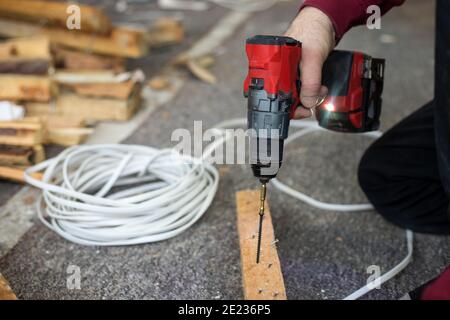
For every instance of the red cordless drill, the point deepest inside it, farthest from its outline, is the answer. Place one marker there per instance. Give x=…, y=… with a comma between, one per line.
x=272, y=88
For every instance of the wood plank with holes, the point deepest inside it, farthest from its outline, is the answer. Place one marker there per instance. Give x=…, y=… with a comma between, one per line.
x=6, y=293
x=263, y=281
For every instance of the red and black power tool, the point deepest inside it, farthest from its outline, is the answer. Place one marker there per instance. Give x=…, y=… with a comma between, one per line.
x=354, y=81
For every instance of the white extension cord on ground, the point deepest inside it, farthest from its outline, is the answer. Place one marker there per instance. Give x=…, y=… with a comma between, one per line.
x=87, y=200
x=157, y=193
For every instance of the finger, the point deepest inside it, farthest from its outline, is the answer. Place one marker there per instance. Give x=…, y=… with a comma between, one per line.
x=323, y=93
x=302, y=113
x=311, y=77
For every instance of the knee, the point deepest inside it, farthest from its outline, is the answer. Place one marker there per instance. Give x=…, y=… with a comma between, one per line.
x=369, y=171
x=377, y=184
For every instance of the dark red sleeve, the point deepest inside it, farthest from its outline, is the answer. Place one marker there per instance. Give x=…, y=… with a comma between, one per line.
x=348, y=13
x=439, y=289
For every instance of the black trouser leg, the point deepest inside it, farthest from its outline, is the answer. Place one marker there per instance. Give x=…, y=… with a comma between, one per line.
x=400, y=176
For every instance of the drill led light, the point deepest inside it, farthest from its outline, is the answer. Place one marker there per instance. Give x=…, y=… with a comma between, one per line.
x=329, y=107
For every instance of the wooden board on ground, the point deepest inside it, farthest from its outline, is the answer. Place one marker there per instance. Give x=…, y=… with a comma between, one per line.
x=122, y=41
x=92, y=19
x=25, y=87
x=263, y=281
x=6, y=293
x=26, y=132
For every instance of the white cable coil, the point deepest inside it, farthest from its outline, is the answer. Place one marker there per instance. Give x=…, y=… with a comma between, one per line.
x=165, y=193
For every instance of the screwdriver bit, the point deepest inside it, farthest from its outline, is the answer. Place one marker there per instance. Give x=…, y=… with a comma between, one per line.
x=262, y=199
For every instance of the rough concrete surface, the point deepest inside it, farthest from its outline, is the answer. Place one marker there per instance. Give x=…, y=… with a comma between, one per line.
x=324, y=255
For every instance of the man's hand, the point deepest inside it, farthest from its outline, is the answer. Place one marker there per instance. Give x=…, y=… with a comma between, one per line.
x=315, y=30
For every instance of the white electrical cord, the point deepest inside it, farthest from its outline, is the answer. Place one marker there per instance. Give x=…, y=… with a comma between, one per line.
x=306, y=127
x=122, y=194
x=125, y=194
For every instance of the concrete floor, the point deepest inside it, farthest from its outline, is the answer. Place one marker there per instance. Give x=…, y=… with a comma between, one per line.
x=324, y=255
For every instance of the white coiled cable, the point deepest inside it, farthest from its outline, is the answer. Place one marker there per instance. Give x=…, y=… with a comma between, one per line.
x=122, y=194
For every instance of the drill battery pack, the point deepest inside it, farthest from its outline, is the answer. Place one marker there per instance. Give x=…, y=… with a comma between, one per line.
x=355, y=84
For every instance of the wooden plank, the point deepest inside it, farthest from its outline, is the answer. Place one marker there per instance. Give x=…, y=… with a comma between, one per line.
x=263, y=281
x=119, y=90
x=76, y=60
x=68, y=136
x=92, y=19
x=165, y=31
x=37, y=47
x=41, y=109
x=16, y=175
x=200, y=72
x=20, y=66
x=27, y=132
x=21, y=156
x=61, y=122
x=89, y=76
x=25, y=87
x=98, y=109
x=6, y=293
x=121, y=42
x=25, y=56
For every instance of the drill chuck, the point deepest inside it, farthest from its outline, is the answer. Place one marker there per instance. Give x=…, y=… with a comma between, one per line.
x=266, y=160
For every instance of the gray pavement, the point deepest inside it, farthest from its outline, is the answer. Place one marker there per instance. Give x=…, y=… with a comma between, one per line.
x=324, y=255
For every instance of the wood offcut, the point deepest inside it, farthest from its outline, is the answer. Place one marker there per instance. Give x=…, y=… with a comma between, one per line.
x=263, y=281
x=6, y=293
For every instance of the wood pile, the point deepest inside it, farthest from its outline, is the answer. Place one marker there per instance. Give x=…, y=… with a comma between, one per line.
x=67, y=79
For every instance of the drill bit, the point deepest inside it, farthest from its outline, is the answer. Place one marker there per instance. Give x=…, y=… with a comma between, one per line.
x=262, y=198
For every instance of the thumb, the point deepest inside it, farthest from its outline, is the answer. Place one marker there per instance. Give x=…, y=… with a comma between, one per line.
x=311, y=78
